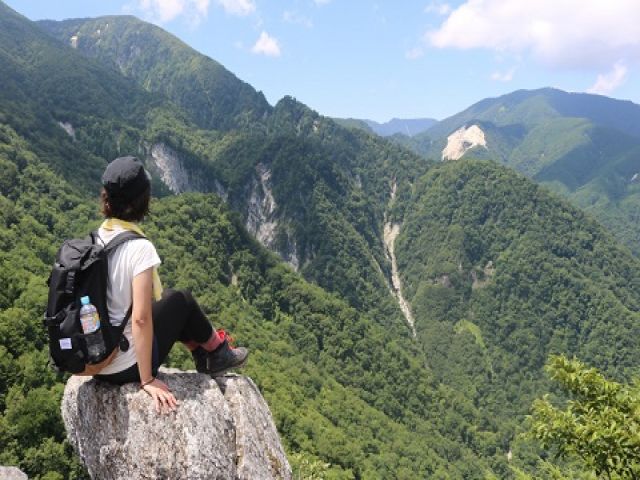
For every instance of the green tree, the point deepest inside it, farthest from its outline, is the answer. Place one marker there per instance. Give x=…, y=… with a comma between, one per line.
x=600, y=423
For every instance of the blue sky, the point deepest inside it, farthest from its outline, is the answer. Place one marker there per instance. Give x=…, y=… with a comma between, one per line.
x=402, y=58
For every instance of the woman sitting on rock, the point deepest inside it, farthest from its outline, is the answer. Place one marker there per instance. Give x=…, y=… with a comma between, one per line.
x=134, y=283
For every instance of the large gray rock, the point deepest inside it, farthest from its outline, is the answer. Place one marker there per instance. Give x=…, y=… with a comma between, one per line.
x=12, y=473
x=222, y=429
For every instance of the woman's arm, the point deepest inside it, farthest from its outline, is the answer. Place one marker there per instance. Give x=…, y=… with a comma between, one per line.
x=142, y=323
x=142, y=329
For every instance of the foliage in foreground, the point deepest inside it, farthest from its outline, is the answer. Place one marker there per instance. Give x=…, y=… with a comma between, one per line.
x=600, y=424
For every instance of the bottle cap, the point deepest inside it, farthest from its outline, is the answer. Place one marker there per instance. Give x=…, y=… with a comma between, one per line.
x=84, y=300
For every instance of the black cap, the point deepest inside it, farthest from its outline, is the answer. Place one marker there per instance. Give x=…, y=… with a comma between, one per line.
x=125, y=178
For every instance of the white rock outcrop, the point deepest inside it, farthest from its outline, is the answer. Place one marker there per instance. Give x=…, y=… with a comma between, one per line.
x=463, y=140
x=172, y=172
x=390, y=233
x=67, y=127
x=222, y=429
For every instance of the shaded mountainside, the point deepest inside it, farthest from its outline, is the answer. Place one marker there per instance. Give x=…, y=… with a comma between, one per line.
x=44, y=86
x=586, y=147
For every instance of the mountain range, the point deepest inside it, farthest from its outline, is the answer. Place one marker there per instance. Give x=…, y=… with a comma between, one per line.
x=405, y=126
x=399, y=309
x=586, y=147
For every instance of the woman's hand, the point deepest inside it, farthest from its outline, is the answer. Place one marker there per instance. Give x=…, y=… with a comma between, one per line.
x=164, y=400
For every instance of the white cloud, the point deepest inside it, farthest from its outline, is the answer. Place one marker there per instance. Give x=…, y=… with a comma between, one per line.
x=296, y=18
x=438, y=7
x=414, y=53
x=505, y=76
x=608, y=82
x=558, y=33
x=266, y=45
x=163, y=11
x=238, y=7
x=202, y=6
x=321, y=2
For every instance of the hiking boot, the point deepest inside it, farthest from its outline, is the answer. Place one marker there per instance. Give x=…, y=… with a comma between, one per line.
x=222, y=359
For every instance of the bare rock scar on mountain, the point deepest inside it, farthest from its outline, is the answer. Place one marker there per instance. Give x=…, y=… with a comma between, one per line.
x=463, y=140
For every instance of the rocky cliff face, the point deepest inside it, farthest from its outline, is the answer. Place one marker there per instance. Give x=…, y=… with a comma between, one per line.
x=261, y=208
x=262, y=219
x=222, y=429
x=166, y=162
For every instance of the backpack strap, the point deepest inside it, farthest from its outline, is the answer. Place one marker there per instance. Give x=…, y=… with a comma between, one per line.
x=120, y=239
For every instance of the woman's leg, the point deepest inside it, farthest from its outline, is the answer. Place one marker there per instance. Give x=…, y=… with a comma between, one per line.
x=211, y=350
x=178, y=317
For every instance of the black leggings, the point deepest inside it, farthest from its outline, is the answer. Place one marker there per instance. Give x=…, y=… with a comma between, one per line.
x=176, y=317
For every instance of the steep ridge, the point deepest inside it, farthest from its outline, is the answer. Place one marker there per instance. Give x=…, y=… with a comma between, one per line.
x=533, y=107
x=215, y=98
x=73, y=111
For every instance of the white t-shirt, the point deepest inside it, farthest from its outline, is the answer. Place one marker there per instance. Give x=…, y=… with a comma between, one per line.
x=127, y=261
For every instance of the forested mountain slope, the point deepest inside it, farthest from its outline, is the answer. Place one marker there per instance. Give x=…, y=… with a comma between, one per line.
x=586, y=147
x=161, y=63
x=497, y=272
x=500, y=274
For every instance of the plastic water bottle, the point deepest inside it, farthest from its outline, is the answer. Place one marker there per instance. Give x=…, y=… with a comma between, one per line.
x=91, y=327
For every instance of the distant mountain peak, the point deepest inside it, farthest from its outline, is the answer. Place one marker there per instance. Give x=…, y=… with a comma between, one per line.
x=404, y=126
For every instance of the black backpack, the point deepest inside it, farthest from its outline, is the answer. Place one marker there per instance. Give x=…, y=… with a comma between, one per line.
x=81, y=268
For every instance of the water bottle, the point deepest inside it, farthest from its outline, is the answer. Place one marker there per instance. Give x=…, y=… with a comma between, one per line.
x=91, y=327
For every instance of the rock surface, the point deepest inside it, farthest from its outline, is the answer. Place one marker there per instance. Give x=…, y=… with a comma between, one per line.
x=222, y=429
x=463, y=140
x=12, y=473
x=166, y=162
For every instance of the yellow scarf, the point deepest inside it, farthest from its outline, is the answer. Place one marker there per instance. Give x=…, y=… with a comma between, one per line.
x=112, y=224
